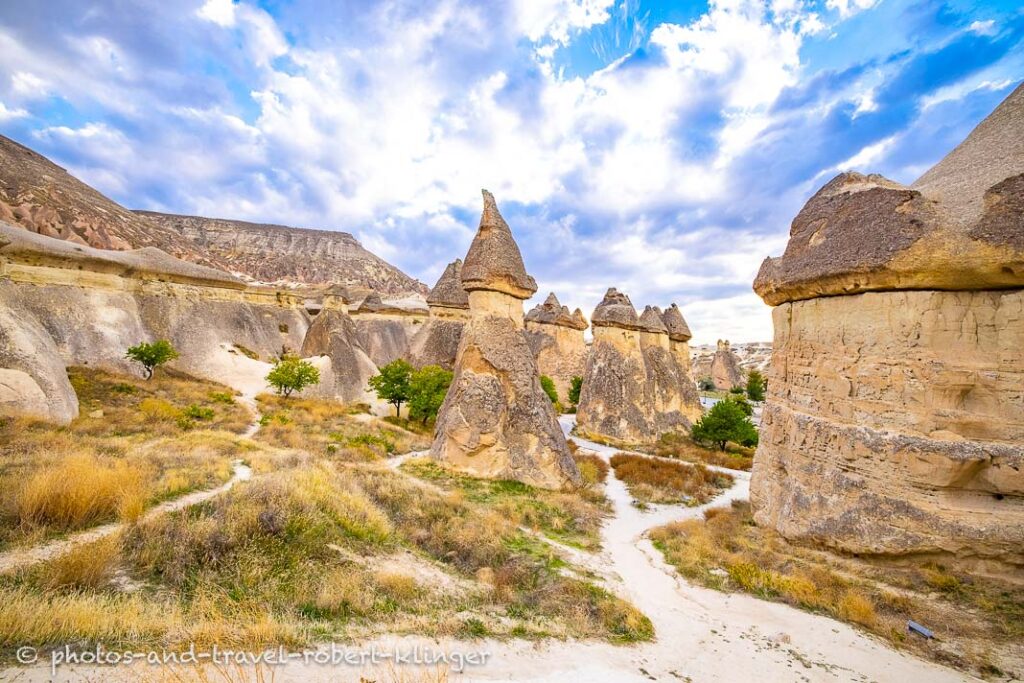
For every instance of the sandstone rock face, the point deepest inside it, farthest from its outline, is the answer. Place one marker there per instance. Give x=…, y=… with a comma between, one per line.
x=496, y=420
x=65, y=304
x=637, y=384
x=385, y=329
x=895, y=415
x=348, y=368
x=725, y=367
x=437, y=342
x=751, y=355
x=556, y=338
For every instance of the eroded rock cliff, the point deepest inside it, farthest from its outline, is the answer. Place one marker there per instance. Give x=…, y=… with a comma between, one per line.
x=437, y=342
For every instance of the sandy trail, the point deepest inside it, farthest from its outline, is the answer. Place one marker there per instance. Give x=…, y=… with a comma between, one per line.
x=702, y=635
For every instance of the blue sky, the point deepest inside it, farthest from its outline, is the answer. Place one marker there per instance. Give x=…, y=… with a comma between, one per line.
x=659, y=147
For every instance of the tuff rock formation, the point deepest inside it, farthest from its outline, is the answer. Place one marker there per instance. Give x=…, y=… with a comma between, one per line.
x=496, y=421
x=437, y=342
x=66, y=304
x=637, y=384
x=345, y=366
x=725, y=367
x=385, y=328
x=895, y=415
x=556, y=338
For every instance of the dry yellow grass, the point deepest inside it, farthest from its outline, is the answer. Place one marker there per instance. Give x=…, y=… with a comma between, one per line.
x=99, y=469
x=728, y=552
x=684, y=448
x=79, y=490
x=330, y=428
x=651, y=480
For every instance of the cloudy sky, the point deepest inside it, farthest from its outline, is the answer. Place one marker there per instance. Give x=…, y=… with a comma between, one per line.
x=660, y=147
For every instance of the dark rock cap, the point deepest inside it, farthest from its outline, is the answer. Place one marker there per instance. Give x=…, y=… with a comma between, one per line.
x=494, y=261
x=650, y=320
x=960, y=227
x=551, y=312
x=615, y=310
x=448, y=291
x=676, y=325
x=371, y=304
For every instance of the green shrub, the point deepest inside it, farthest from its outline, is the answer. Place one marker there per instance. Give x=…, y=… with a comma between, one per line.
x=152, y=355
x=548, y=385
x=726, y=421
x=292, y=374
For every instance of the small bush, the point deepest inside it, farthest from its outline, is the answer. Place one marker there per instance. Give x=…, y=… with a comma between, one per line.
x=292, y=374
x=152, y=355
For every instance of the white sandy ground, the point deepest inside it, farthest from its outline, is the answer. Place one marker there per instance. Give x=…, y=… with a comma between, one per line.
x=702, y=635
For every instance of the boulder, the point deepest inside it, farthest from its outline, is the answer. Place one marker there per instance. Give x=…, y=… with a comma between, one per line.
x=556, y=338
x=894, y=423
x=496, y=421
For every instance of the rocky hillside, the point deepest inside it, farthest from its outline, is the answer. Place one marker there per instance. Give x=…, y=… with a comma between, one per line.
x=283, y=255
x=752, y=355
x=41, y=197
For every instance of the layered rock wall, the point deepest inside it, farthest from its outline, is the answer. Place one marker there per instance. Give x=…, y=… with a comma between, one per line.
x=64, y=304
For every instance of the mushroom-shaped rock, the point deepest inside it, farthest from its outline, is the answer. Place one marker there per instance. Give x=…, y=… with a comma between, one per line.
x=494, y=262
x=448, y=291
x=556, y=339
x=545, y=313
x=678, y=330
x=895, y=419
x=615, y=310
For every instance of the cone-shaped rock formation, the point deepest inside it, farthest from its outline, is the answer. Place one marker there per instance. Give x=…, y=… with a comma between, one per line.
x=895, y=415
x=725, y=367
x=496, y=421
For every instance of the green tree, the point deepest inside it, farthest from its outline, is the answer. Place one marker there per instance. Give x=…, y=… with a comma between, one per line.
x=392, y=384
x=291, y=373
x=548, y=385
x=427, y=389
x=706, y=384
x=152, y=355
x=755, y=386
x=574, y=389
x=723, y=423
x=742, y=402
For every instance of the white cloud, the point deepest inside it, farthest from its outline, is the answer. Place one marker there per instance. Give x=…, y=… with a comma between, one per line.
x=557, y=19
x=8, y=114
x=847, y=8
x=220, y=12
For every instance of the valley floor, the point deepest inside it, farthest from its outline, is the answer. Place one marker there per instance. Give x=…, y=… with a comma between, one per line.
x=700, y=634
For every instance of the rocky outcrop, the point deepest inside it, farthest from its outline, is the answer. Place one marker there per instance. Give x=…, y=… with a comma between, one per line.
x=556, y=338
x=725, y=367
x=281, y=255
x=496, y=421
x=386, y=328
x=895, y=415
x=637, y=386
x=41, y=197
x=345, y=366
x=437, y=342
x=751, y=355
x=65, y=304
